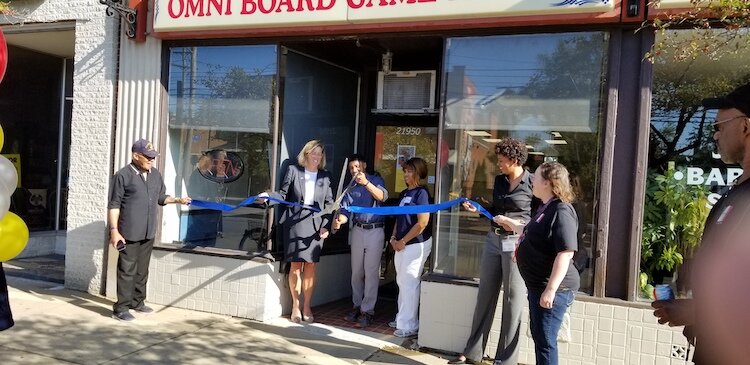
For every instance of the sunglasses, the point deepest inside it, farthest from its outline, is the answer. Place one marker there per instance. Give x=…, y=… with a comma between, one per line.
x=717, y=122
x=148, y=158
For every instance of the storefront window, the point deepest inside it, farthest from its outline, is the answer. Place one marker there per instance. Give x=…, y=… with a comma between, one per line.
x=686, y=176
x=220, y=142
x=546, y=90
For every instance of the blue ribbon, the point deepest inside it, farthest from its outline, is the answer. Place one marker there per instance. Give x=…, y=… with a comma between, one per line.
x=410, y=209
x=416, y=209
x=249, y=201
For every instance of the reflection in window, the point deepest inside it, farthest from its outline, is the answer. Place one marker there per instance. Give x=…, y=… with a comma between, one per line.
x=686, y=176
x=545, y=90
x=220, y=142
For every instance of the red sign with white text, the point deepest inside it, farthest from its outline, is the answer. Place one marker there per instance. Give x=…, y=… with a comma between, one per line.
x=190, y=15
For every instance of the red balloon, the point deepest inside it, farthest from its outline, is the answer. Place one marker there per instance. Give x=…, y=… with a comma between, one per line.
x=3, y=55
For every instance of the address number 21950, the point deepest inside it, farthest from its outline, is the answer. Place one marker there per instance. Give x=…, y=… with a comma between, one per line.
x=408, y=131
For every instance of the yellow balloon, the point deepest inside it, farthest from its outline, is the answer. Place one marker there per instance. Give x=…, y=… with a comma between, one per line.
x=13, y=236
x=2, y=137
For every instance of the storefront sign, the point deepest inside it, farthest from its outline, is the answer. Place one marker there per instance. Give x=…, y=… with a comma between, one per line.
x=715, y=177
x=675, y=4
x=187, y=15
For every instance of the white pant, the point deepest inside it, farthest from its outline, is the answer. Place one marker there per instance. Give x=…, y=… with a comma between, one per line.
x=409, y=263
x=367, y=249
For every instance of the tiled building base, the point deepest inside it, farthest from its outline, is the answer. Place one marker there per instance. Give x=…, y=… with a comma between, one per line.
x=236, y=287
x=602, y=334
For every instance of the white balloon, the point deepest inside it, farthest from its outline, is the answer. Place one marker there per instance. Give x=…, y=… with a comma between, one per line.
x=8, y=176
x=4, y=205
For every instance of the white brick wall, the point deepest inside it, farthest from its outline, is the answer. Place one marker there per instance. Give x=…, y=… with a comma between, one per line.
x=94, y=78
x=237, y=287
x=602, y=334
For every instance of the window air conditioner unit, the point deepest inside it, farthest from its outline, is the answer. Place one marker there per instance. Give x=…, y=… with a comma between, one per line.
x=406, y=92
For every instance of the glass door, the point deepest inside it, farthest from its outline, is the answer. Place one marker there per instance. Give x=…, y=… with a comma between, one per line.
x=396, y=144
x=319, y=101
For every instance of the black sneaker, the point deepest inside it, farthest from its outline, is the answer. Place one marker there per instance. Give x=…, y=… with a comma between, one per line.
x=144, y=309
x=123, y=316
x=365, y=319
x=353, y=316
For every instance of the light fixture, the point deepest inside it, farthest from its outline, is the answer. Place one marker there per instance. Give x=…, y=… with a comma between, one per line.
x=529, y=147
x=556, y=134
x=492, y=140
x=128, y=14
x=478, y=133
x=387, y=62
x=556, y=141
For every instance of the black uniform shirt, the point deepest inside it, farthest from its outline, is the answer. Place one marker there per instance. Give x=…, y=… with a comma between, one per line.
x=553, y=229
x=137, y=199
x=513, y=204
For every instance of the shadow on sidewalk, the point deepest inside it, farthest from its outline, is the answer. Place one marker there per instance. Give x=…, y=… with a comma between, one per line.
x=49, y=292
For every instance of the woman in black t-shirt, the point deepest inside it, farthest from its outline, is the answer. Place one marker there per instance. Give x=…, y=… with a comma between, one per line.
x=544, y=255
x=412, y=241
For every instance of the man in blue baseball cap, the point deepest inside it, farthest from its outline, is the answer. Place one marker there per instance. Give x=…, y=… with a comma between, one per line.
x=132, y=226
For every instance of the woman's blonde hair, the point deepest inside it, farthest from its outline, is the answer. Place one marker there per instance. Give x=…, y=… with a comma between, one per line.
x=559, y=180
x=309, y=146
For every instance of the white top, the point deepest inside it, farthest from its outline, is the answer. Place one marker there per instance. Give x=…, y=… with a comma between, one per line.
x=310, y=179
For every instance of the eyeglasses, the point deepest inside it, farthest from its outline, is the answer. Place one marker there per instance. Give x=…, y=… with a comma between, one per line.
x=148, y=158
x=717, y=122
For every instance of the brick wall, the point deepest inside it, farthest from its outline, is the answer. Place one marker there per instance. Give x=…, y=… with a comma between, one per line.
x=602, y=333
x=95, y=73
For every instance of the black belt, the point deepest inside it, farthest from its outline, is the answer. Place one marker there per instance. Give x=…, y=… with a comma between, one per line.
x=502, y=232
x=369, y=225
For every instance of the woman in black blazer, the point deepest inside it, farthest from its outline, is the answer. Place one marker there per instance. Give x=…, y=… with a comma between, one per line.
x=303, y=233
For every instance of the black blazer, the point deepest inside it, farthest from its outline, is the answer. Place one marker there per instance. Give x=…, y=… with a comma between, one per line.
x=293, y=189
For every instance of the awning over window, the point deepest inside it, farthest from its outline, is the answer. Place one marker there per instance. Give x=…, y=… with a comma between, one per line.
x=513, y=113
x=231, y=115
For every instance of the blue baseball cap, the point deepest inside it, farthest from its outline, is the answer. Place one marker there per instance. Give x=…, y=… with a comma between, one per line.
x=145, y=148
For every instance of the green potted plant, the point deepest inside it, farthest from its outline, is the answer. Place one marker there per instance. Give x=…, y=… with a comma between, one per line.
x=673, y=221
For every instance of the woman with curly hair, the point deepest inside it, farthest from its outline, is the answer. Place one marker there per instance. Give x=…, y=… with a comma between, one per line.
x=511, y=198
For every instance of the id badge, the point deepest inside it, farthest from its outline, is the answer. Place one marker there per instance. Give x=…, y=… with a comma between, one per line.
x=509, y=243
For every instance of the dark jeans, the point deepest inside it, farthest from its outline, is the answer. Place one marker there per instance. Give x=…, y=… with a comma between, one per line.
x=132, y=274
x=6, y=318
x=545, y=324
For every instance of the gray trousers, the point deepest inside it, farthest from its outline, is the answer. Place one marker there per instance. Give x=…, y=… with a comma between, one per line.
x=497, y=270
x=367, y=249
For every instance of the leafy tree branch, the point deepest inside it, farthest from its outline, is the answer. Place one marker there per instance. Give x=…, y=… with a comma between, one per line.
x=721, y=29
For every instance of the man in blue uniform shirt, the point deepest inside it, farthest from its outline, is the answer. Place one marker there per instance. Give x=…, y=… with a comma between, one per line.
x=367, y=239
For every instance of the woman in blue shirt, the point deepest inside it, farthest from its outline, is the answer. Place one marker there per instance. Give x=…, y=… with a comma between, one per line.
x=412, y=241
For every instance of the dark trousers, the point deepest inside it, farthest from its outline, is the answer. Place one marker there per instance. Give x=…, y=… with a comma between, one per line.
x=497, y=271
x=132, y=274
x=6, y=318
x=545, y=324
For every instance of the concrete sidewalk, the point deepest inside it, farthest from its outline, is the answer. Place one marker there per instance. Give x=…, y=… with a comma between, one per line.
x=59, y=326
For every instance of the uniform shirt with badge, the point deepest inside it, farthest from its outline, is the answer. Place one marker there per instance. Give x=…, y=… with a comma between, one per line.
x=728, y=220
x=516, y=203
x=404, y=222
x=552, y=230
x=728, y=215
x=359, y=196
